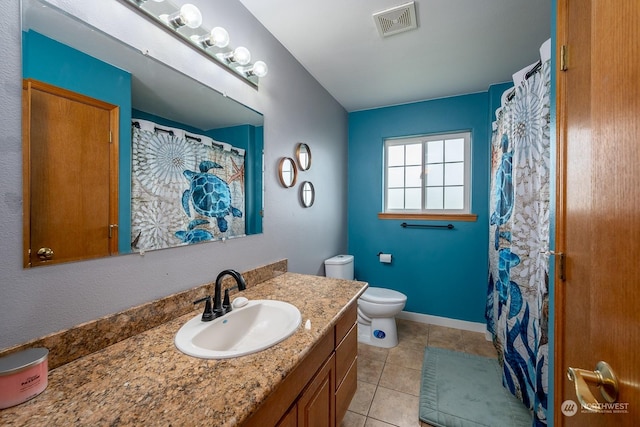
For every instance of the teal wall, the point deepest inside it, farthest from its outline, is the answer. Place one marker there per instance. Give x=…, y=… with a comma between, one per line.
x=51, y=62
x=442, y=272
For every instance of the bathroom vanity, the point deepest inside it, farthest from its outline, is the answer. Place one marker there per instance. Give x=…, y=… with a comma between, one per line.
x=146, y=380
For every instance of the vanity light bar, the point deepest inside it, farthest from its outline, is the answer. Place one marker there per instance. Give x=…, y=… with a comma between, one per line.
x=185, y=22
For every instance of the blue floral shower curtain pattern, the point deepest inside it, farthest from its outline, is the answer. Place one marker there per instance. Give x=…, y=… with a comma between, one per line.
x=169, y=207
x=517, y=297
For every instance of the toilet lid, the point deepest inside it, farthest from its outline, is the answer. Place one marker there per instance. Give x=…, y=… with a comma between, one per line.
x=383, y=295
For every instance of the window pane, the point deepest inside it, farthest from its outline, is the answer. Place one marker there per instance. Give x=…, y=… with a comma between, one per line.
x=454, y=150
x=413, y=176
x=454, y=198
x=395, y=177
x=434, y=175
x=413, y=198
x=454, y=174
x=414, y=154
x=434, y=152
x=434, y=198
x=395, y=199
x=395, y=155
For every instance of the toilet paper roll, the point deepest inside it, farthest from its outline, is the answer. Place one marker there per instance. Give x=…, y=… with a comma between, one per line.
x=385, y=258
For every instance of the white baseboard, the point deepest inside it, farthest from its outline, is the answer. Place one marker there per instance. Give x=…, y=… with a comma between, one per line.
x=445, y=321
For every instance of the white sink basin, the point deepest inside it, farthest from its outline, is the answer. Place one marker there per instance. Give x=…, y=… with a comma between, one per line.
x=254, y=327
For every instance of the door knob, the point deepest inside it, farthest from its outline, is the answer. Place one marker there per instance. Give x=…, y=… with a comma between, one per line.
x=603, y=377
x=45, y=254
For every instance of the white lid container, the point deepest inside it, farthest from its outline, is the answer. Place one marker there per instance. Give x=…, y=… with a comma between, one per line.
x=23, y=375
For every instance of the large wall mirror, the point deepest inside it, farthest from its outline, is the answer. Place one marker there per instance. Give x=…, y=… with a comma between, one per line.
x=188, y=167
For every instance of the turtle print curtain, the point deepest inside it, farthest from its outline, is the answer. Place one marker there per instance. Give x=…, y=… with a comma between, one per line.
x=517, y=298
x=185, y=188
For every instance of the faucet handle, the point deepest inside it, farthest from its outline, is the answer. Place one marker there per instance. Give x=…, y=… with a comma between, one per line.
x=208, y=314
x=226, y=304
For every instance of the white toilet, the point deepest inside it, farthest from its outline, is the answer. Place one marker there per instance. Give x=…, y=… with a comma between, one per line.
x=377, y=307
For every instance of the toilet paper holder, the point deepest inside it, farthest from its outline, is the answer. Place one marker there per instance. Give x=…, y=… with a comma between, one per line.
x=384, y=258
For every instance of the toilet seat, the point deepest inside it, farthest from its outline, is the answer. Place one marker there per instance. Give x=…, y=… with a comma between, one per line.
x=383, y=296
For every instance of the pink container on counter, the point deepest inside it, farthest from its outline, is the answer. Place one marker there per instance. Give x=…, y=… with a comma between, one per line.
x=23, y=375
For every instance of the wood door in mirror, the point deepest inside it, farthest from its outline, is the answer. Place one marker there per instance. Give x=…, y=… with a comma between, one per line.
x=70, y=176
x=303, y=154
x=287, y=172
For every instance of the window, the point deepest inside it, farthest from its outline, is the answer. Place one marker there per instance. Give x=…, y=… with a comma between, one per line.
x=428, y=174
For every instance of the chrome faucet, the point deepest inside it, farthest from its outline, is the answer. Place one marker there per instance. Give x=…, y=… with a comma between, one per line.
x=221, y=308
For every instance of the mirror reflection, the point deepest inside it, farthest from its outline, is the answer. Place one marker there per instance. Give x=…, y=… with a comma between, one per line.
x=189, y=166
x=303, y=153
x=287, y=172
x=307, y=194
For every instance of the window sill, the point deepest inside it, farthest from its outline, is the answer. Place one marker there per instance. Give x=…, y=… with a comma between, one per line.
x=433, y=217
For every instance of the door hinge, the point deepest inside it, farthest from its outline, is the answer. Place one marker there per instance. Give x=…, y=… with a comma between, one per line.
x=563, y=58
x=561, y=262
x=562, y=265
x=111, y=227
x=110, y=137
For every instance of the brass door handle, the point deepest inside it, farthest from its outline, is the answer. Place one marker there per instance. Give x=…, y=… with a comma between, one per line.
x=45, y=254
x=603, y=377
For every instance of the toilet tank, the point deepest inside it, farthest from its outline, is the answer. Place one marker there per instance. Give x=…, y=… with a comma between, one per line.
x=339, y=267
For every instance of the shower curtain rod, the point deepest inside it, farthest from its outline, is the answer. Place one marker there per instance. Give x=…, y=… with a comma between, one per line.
x=529, y=73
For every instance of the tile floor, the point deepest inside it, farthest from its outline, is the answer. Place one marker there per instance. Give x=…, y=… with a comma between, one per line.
x=389, y=379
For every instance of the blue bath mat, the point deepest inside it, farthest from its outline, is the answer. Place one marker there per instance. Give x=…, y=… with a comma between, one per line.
x=465, y=390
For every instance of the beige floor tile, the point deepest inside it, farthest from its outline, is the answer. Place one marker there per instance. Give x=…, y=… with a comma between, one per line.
x=406, y=357
x=394, y=407
x=413, y=345
x=476, y=343
x=372, y=352
x=443, y=337
x=361, y=401
x=369, y=370
x=351, y=419
x=412, y=331
x=376, y=423
x=401, y=379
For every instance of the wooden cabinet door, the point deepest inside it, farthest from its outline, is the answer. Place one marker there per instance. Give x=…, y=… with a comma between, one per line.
x=70, y=151
x=316, y=405
x=290, y=419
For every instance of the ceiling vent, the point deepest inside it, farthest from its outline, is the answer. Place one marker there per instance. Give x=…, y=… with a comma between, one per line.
x=396, y=20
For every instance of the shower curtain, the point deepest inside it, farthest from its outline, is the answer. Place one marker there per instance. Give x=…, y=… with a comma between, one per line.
x=185, y=188
x=517, y=297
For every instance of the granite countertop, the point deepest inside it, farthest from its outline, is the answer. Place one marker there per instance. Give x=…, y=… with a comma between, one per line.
x=146, y=380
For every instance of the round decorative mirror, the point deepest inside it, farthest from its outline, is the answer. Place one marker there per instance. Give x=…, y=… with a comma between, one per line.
x=287, y=172
x=303, y=153
x=307, y=194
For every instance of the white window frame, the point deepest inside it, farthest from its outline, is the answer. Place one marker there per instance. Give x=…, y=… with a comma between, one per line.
x=424, y=139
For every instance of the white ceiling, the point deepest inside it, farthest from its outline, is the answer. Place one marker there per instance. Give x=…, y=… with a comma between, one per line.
x=460, y=46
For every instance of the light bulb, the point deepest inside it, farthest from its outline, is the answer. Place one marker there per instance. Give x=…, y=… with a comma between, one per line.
x=219, y=37
x=188, y=15
x=259, y=69
x=241, y=55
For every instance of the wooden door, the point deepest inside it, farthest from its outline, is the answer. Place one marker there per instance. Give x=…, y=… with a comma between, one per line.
x=598, y=206
x=316, y=405
x=70, y=151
